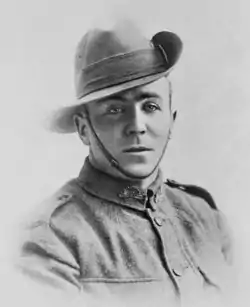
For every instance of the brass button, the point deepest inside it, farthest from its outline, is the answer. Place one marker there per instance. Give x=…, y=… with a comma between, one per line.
x=180, y=269
x=176, y=273
x=158, y=221
x=153, y=206
x=64, y=197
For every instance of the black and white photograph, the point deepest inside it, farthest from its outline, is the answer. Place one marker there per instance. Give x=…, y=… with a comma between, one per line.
x=125, y=142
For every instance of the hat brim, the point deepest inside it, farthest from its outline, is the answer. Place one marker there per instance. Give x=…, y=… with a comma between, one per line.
x=62, y=120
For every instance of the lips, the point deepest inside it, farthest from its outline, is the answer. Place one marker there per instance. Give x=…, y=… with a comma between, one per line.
x=137, y=149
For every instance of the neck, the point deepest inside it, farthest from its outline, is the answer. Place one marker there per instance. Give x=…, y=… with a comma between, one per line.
x=140, y=183
x=143, y=184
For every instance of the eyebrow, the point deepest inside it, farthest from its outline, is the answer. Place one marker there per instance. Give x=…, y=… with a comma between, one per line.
x=120, y=97
x=146, y=95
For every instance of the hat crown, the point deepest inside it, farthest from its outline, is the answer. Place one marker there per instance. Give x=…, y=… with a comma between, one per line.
x=99, y=44
x=108, y=57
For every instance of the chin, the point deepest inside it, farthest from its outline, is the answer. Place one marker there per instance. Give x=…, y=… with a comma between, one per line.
x=140, y=170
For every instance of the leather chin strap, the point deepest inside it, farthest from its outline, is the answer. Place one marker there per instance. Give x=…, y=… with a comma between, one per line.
x=114, y=163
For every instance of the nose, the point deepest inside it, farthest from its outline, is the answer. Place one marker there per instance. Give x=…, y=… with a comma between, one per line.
x=136, y=122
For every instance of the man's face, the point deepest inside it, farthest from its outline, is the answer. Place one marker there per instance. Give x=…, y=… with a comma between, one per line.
x=133, y=126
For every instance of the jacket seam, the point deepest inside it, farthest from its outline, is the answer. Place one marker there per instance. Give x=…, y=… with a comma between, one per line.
x=117, y=280
x=60, y=239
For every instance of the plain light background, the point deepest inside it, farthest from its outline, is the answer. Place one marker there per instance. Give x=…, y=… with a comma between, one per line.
x=210, y=145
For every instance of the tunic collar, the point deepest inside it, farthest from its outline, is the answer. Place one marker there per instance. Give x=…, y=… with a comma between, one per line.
x=119, y=191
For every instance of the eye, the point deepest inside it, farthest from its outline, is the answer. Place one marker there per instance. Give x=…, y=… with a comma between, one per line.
x=115, y=110
x=151, y=107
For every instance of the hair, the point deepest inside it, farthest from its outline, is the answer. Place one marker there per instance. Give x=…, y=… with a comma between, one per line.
x=82, y=110
x=170, y=88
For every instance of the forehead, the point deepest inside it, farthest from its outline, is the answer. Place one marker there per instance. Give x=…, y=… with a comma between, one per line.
x=158, y=88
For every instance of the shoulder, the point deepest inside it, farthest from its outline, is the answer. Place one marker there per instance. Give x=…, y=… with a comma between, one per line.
x=40, y=235
x=43, y=212
x=193, y=190
x=195, y=206
x=43, y=224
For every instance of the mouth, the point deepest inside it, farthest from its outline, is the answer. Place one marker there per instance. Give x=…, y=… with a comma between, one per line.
x=136, y=149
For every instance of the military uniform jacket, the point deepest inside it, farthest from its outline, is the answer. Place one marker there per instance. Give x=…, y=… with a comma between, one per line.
x=101, y=236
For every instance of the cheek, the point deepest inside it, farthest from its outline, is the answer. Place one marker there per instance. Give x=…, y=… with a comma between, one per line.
x=100, y=123
x=107, y=129
x=160, y=125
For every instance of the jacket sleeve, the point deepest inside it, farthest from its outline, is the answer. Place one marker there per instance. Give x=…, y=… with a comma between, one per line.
x=46, y=258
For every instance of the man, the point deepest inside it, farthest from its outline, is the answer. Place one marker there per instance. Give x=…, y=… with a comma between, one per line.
x=120, y=230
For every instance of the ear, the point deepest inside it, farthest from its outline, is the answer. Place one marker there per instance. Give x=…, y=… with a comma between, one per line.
x=82, y=128
x=174, y=115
